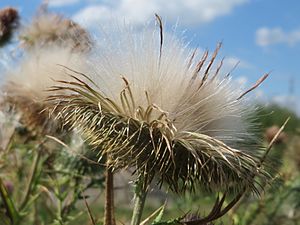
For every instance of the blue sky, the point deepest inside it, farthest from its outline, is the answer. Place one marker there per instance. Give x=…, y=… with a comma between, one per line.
x=264, y=35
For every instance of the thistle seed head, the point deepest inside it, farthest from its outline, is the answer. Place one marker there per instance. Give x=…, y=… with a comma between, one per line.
x=146, y=100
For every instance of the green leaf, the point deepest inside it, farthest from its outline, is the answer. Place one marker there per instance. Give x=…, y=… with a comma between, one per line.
x=158, y=218
x=161, y=213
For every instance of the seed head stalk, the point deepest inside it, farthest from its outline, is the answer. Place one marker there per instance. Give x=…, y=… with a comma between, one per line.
x=109, y=218
x=140, y=193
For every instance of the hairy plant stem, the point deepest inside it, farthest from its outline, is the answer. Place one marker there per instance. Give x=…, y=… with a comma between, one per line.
x=140, y=194
x=109, y=218
x=31, y=178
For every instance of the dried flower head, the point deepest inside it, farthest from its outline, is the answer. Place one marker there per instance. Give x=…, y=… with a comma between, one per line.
x=146, y=101
x=9, y=18
x=49, y=28
x=24, y=87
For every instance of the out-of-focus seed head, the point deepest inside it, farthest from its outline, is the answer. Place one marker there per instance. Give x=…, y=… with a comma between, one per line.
x=272, y=131
x=48, y=29
x=146, y=100
x=24, y=88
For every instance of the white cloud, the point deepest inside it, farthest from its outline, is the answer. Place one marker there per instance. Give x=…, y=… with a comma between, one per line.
x=60, y=3
x=93, y=15
x=188, y=12
x=242, y=81
x=259, y=94
x=231, y=62
x=270, y=36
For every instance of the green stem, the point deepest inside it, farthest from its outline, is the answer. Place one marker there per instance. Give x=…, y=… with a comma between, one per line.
x=59, y=216
x=8, y=203
x=31, y=179
x=139, y=200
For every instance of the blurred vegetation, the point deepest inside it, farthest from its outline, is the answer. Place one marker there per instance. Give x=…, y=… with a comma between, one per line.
x=280, y=203
x=273, y=114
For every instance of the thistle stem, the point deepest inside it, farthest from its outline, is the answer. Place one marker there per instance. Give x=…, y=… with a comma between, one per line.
x=31, y=179
x=109, y=218
x=8, y=203
x=140, y=194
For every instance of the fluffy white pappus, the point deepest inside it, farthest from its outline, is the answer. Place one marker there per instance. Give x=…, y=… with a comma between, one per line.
x=38, y=70
x=166, y=77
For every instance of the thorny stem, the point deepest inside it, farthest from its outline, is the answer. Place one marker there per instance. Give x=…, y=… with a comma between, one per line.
x=31, y=178
x=9, y=206
x=109, y=218
x=140, y=194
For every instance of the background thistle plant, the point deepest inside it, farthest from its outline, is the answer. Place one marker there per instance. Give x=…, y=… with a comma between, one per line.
x=52, y=175
x=49, y=176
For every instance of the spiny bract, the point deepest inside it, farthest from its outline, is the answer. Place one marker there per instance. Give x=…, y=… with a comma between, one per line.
x=144, y=100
